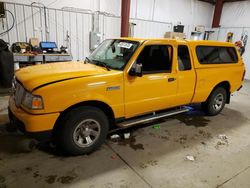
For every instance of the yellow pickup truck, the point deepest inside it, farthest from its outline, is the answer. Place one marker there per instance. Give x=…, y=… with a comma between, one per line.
x=124, y=82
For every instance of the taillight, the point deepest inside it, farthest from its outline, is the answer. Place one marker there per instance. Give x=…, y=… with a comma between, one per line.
x=243, y=75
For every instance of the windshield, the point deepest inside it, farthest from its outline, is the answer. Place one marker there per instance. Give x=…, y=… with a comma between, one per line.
x=113, y=54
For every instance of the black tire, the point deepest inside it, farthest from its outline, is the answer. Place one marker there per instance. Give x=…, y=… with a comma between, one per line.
x=210, y=106
x=65, y=134
x=6, y=68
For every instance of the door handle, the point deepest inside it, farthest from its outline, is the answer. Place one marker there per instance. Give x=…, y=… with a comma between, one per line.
x=171, y=79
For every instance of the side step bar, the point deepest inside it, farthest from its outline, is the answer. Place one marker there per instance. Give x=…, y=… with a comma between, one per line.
x=152, y=117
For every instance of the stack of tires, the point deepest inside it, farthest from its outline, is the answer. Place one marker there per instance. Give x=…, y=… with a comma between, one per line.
x=6, y=65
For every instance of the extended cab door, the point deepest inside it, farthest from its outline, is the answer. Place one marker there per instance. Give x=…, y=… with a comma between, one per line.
x=186, y=75
x=156, y=88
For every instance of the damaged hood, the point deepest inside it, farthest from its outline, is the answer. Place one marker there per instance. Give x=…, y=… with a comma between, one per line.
x=34, y=76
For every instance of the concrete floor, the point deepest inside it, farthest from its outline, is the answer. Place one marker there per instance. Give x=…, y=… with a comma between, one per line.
x=152, y=157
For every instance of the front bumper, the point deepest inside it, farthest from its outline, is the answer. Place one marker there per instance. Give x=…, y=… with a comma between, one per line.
x=33, y=125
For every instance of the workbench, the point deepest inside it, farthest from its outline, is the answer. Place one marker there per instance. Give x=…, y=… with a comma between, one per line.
x=26, y=59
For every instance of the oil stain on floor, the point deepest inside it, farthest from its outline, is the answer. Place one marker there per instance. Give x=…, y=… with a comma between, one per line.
x=2, y=182
x=197, y=121
x=54, y=178
x=51, y=179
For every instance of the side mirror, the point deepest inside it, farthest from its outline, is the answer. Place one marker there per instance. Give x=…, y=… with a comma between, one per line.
x=136, y=70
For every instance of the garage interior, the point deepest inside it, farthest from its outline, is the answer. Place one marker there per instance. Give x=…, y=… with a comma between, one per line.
x=185, y=150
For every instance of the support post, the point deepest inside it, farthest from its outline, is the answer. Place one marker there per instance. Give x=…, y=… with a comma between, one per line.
x=217, y=13
x=125, y=18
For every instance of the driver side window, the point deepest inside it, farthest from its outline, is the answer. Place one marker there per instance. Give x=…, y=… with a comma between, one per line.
x=155, y=59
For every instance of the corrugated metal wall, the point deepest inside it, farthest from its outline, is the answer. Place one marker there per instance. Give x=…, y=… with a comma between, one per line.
x=151, y=29
x=142, y=28
x=30, y=22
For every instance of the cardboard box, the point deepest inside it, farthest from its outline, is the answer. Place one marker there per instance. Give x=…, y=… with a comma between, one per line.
x=174, y=35
x=34, y=42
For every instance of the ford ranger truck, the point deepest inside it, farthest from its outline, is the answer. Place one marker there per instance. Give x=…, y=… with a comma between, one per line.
x=124, y=82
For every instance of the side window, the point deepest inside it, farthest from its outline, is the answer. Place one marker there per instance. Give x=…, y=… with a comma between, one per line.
x=155, y=59
x=184, y=62
x=216, y=55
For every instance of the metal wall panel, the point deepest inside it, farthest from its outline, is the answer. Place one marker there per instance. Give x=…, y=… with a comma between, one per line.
x=30, y=22
x=150, y=29
x=142, y=29
x=112, y=27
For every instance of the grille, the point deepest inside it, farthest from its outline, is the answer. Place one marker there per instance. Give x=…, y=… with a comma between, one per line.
x=19, y=92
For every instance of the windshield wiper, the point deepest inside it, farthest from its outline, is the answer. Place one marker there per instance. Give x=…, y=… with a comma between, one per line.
x=102, y=64
x=90, y=61
x=97, y=62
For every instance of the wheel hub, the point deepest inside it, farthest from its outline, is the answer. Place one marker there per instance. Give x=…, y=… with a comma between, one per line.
x=86, y=132
x=218, y=102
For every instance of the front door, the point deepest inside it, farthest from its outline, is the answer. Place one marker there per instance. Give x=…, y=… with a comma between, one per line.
x=156, y=88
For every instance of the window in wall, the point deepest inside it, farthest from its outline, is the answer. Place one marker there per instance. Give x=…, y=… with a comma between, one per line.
x=184, y=62
x=216, y=55
x=155, y=59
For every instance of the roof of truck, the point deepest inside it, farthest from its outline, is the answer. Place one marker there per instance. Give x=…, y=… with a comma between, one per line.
x=194, y=42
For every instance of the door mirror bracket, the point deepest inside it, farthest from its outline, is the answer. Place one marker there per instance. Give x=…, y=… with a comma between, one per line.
x=136, y=70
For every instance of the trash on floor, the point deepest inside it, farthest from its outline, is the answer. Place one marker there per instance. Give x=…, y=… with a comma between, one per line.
x=190, y=158
x=222, y=136
x=156, y=127
x=114, y=156
x=126, y=135
x=114, y=136
x=222, y=142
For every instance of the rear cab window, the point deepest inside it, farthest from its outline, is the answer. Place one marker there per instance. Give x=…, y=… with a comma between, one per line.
x=216, y=55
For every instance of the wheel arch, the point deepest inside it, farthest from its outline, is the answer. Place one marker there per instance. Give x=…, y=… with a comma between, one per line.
x=94, y=103
x=226, y=85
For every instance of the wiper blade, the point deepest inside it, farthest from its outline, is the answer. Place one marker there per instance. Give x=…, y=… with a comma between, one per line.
x=89, y=60
x=102, y=64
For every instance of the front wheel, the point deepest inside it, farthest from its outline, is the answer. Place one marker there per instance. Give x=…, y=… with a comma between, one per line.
x=83, y=130
x=216, y=102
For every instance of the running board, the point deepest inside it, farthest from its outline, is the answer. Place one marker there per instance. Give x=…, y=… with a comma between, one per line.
x=152, y=117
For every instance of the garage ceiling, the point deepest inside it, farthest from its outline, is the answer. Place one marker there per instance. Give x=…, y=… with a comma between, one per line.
x=213, y=1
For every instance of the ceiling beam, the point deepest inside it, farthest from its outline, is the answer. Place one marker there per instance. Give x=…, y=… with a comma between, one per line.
x=209, y=1
x=214, y=1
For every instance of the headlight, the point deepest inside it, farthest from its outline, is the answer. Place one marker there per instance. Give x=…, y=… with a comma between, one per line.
x=32, y=102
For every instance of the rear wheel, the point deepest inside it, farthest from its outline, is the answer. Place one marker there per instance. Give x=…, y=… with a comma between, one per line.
x=216, y=101
x=83, y=130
